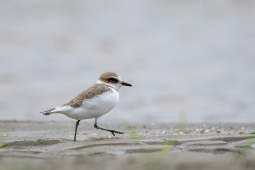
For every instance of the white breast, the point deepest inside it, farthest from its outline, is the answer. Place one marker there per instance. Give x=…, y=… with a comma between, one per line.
x=95, y=107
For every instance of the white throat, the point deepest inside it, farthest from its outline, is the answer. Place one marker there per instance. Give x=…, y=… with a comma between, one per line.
x=115, y=86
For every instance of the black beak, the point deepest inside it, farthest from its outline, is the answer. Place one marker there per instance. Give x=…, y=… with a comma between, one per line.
x=125, y=84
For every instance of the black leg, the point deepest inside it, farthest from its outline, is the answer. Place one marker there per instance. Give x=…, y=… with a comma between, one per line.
x=76, y=127
x=112, y=131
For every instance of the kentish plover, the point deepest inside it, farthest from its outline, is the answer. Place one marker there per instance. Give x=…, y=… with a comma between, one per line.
x=94, y=102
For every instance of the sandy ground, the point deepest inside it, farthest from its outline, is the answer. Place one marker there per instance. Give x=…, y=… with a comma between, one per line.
x=47, y=145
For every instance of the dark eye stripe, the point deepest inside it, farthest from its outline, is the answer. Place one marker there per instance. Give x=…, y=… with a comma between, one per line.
x=113, y=80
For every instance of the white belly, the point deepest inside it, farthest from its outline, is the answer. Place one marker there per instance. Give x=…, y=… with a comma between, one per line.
x=94, y=107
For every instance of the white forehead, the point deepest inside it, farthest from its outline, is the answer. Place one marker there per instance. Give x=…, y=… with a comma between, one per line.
x=119, y=78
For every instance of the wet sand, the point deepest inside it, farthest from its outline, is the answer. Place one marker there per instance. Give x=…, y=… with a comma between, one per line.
x=47, y=145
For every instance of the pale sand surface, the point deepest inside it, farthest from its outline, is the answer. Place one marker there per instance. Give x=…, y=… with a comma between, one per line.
x=48, y=145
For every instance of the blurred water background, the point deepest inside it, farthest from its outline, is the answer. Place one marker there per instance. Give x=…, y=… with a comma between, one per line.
x=192, y=56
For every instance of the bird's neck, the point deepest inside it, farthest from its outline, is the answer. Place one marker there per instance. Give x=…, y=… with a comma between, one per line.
x=115, y=86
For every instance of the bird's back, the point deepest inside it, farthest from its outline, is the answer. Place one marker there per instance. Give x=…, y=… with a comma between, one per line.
x=92, y=102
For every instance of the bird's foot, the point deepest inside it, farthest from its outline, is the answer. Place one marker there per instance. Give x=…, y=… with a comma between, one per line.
x=113, y=131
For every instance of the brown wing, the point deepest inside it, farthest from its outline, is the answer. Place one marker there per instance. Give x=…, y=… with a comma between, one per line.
x=91, y=92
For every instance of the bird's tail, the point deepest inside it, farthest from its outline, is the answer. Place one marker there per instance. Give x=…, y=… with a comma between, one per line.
x=47, y=112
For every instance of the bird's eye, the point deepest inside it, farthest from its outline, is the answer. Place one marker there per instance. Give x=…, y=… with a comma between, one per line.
x=113, y=80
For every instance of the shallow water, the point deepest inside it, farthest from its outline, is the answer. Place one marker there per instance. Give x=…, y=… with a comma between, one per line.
x=195, y=57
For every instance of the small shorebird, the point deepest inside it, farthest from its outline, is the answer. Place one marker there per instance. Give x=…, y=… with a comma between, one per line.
x=94, y=102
